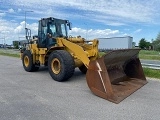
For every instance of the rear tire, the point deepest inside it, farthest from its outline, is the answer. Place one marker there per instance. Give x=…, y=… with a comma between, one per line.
x=27, y=61
x=83, y=69
x=61, y=65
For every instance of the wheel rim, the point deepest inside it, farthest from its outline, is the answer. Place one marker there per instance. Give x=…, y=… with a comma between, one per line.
x=55, y=65
x=26, y=61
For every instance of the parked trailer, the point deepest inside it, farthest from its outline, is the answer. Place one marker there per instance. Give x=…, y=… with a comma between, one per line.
x=115, y=43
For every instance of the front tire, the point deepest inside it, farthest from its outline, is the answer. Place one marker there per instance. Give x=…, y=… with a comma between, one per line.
x=27, y=61
x=61, y=65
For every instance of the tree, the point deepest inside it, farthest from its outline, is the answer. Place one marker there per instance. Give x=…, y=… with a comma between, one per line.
x=158, y=37
x=143, y=44
x=133, y=44
x=15, y=44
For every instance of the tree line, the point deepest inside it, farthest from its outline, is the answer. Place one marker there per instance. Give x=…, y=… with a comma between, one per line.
x=153, y=45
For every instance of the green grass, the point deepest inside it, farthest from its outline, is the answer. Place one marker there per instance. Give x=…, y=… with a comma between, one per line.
x=149, y=52
x=101, y=53
x=8, y=54
x=150, y=55
x=151, y=73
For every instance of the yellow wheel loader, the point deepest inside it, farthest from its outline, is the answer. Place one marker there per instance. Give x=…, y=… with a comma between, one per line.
x=114, y=76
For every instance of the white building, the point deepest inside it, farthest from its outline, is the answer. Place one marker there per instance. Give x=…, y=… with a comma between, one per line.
x=115, y=43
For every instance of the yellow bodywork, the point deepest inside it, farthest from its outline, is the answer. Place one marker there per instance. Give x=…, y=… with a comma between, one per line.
x=82, y=51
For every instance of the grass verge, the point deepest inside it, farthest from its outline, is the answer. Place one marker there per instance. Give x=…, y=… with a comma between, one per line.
x=151, y=73
x=101, y=53
x=149, y=52
x=150, y=55
x=8, y=54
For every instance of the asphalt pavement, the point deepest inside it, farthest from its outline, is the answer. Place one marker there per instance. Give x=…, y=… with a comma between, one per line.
x=156, y=62
x=35, y=96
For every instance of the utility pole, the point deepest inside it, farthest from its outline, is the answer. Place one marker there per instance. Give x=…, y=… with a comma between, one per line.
x=86, y=31
x=2, y=41
x=25, y=16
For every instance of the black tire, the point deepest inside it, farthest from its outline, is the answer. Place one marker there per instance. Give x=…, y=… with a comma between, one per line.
x=27, y=61
x=83, y=69
x=61, y=65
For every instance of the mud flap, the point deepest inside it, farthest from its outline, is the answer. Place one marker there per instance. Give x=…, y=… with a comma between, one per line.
x=116, y=75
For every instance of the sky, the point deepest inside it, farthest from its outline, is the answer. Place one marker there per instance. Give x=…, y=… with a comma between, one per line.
x=90, y=18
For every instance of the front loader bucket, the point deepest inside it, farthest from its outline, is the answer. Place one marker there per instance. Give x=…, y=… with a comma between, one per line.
x=116, y=75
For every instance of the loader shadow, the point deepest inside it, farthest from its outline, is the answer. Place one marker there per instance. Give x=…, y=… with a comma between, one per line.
x=43, y=69
x=78, y=75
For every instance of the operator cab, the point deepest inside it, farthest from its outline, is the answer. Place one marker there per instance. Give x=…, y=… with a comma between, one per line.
x=51, y=28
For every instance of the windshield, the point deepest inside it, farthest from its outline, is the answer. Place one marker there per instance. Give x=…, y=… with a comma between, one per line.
x=61, y=29
x=58, y=28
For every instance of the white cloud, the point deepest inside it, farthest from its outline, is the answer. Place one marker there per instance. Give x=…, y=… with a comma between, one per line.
x=92, y=34
x=125, y=34
x=2, y=14
x=120, y=12
x=5, y=25
x=15, y=31
x=20, y=28
x=11, y=10
x=6, y=30
x=138, y=30
x=19, y=10
x=19, y=32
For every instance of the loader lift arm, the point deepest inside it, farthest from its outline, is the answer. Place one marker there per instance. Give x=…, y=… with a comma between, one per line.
x=79, y=52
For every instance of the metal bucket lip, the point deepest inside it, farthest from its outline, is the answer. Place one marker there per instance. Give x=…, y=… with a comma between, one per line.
x=121, y=50
x=136, y=49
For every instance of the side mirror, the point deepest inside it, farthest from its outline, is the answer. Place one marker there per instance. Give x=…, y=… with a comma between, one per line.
x=28, y=33
x=69, y=25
